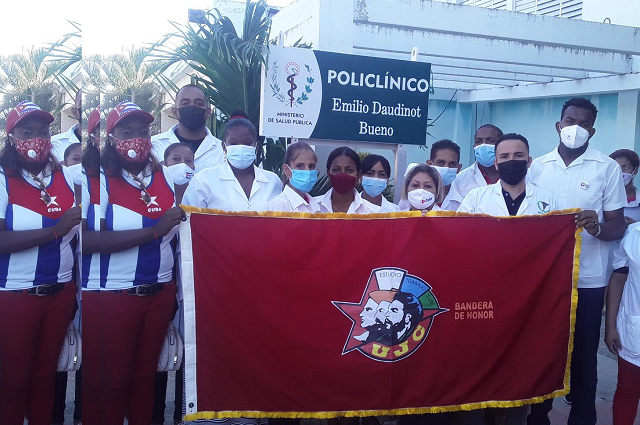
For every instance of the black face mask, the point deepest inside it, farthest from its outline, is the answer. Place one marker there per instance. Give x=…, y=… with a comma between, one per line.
x=192, y=117
x=512, y=172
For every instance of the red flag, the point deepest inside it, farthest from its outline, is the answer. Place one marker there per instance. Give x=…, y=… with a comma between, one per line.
x=354, y=316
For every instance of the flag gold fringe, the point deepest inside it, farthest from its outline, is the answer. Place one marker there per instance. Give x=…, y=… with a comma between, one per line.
x=413, y=410
x=363, y=413
x=324, y=216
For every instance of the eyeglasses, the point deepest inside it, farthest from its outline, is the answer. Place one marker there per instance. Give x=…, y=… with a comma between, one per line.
x=144, y=195
x=44, y=195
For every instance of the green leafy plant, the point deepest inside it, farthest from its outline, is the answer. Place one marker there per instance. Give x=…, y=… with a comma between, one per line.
x=227, y=64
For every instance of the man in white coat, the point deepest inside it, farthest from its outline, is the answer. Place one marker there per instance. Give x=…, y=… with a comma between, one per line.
x=481, y=173
x=192, y=110
x=511, y=195
x=579, y=176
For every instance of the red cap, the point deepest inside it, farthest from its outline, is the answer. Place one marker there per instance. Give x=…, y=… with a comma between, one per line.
x=124, y=110
x=24, y=110
x=94, y=120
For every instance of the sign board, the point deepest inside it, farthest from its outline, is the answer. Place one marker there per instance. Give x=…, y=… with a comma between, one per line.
x=321, y=95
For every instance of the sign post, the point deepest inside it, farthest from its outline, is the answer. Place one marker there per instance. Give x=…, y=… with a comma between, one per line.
x=326, y=98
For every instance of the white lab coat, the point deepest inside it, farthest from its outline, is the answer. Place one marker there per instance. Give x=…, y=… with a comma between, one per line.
x=468, y=179
x=290, y=200
x=60, y=142
x=209, y=154
x=490, y=200
x=632, y=210
x=386, y=206
x=218, y=188
x=628, y=320
x=358, y=206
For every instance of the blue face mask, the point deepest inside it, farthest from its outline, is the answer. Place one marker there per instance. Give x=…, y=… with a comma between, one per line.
x=241, y=156
x=373, y=186
x=485, y=154
x=303, y=180
x=448, y=174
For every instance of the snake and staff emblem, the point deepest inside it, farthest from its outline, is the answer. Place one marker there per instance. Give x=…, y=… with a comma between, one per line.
x=293, y=70
x=295, y=73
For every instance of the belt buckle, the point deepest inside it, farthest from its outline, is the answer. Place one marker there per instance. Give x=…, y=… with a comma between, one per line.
x=43, y=293
x=143, y=290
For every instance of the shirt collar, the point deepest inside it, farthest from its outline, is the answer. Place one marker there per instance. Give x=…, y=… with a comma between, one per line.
x=209, y=139
x=227, y=174
x=326, y=200
x=497, y=189
x=589, y=155
x=294, y=198
x=70, y=134
x=635, y=203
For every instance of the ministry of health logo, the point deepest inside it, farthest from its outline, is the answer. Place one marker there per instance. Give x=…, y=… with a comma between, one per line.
x=394, y=316
x=297, y=88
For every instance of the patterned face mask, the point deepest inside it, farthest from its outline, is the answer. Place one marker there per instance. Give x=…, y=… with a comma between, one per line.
x=33, y=150
x=133, y=150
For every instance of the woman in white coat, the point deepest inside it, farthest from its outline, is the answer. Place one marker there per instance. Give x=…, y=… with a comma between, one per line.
x=376, y=171
x=236, y=184
x=423, y=188
x=629, y=163
x=299, y=175
x=344, y=169
x=622, y=325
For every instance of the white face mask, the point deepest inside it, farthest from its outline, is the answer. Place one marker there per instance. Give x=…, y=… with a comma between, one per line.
x=421, y=199
x=448, y=174
x=181, y=173
x=627, y=177
x=76, y=173
x=241, y=156
x=574, y=136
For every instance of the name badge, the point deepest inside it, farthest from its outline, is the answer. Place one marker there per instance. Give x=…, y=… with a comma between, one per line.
x=584, y=185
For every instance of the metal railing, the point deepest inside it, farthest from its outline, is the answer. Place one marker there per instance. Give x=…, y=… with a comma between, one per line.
x=560, y=8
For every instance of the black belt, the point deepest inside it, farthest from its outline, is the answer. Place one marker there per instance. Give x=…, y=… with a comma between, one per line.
x=42, y=290
x=142, y=290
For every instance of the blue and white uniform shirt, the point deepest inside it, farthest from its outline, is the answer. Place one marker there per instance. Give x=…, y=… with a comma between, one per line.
x=125, y=206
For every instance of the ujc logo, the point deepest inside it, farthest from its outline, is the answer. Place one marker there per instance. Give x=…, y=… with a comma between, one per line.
x=394, y=316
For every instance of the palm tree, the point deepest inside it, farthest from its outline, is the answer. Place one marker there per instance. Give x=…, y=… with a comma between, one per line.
x=227, y=64
x=128, y=76
x=66, y=55
x=28, y=76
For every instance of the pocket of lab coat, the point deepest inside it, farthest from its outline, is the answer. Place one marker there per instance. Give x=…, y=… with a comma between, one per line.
x=590, y=257
x=629, y=331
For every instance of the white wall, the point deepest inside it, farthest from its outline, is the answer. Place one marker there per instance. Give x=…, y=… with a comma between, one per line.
x=621, y=12
x=299, y=19
x=234, y=9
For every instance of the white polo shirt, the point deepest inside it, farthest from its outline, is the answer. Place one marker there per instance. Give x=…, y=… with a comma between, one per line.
x=490, y=200
x=209, y=153
x=358, y=206
x=218, y=188
x=627, y=254
x=60, y=142
x=468, y=179
x=593, y=181
x=290, y=200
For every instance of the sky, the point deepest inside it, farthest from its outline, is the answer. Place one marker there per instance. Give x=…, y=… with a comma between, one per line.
x=107, y=27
